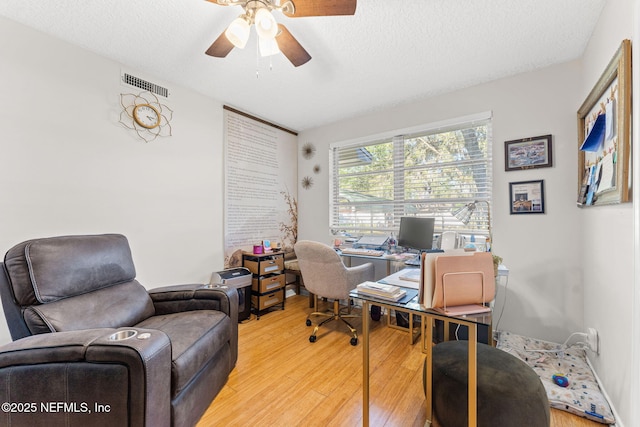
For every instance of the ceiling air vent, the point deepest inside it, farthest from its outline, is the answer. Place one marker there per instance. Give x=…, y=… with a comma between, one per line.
x=134, y=81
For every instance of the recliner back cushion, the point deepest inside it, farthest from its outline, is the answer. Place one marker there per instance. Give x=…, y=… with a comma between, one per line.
x=122, y=305
x=77, y=282
x=50, y=269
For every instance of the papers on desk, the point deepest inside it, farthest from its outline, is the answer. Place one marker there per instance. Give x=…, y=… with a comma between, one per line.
x=380, y=290
x=411, y=274
x=407, y=278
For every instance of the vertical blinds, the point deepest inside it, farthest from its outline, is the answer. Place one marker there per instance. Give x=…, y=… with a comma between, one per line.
x=425, y=174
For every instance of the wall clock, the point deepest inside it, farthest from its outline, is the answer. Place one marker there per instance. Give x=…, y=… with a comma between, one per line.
x=144, y=114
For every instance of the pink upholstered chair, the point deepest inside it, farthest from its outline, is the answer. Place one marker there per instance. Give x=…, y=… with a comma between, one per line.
x=326, y=276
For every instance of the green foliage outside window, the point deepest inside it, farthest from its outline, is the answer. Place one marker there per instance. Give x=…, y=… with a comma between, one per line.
x=422, y=175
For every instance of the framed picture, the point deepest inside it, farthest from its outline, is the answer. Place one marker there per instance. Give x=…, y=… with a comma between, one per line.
x=604, y=135
x=526, y=197
x=528, y=153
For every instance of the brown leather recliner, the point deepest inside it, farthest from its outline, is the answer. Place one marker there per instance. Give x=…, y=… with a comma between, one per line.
x=93, y=347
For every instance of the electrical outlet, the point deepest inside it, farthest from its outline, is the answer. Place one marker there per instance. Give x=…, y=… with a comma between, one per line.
x=592, y=340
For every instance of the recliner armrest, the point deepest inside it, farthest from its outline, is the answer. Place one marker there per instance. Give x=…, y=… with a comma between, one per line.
x=78, y=370
x=178, y=298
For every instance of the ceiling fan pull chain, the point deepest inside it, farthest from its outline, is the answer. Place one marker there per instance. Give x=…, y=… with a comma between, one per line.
x=257, y=61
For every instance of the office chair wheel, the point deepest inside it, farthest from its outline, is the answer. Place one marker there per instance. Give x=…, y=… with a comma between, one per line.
x=308, y=322
x=312, y=338
x=354, y=341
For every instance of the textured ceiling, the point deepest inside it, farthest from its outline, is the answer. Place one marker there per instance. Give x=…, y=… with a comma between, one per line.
x=389, y=52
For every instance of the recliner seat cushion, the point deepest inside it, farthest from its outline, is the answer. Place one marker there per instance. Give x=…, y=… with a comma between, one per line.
x=196, y=337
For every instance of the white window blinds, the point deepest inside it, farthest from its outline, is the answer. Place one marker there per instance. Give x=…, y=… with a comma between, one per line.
x=426, y=174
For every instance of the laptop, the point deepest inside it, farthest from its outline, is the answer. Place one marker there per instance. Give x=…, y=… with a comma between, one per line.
x=372, y=240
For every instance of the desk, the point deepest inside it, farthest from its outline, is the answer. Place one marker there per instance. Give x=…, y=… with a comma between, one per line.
x=428, y=316
x=396, y=279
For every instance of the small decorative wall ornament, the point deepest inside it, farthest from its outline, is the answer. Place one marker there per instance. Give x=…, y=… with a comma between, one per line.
x=316, y=169
x=308, y=150
x=307, y=182
x=144, y=114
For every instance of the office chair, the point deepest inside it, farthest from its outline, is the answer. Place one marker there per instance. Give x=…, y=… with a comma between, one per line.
x=326, y=276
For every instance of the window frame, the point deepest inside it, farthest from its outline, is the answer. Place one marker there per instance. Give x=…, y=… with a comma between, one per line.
x=480, y=225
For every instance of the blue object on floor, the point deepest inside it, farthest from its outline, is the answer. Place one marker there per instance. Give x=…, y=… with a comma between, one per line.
x=560, y=380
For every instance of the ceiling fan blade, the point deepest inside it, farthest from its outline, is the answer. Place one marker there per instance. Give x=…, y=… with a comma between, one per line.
x=321, y=8
x=221, y=47
x=290, y=47
x=220, y=2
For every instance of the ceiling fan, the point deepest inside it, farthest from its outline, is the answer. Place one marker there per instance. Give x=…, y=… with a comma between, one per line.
x=272, y=36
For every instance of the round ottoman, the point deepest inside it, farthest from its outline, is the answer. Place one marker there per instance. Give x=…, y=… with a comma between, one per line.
x=509, y=391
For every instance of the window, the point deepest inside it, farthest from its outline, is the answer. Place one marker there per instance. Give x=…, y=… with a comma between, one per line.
x=425, y=173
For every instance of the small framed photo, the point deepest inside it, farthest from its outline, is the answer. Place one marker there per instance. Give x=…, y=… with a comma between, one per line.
x=526, y=197
x=528, y=153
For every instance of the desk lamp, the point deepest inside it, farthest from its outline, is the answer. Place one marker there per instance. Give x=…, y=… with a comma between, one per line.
x=465, y=213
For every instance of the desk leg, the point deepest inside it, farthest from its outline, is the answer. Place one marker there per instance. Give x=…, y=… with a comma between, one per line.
x=445, y=330
x=427, y=322
x=410, y=329
x=365, y=364
x=473, y=374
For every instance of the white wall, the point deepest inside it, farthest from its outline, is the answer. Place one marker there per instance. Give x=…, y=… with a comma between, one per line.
x=569, y=269
x=68, y=167
x=544, y=294
x=607, y=246
x=634, y=336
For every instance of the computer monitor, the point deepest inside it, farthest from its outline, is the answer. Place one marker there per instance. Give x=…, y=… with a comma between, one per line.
x=416, y=233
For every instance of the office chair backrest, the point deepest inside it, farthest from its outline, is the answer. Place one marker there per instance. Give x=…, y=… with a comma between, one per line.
x=322, y=270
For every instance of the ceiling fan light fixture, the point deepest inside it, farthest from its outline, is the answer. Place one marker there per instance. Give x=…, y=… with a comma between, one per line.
x=288, y=8
x=268, y=46
x=259, y=12
x=266, y=25
x=238, y=32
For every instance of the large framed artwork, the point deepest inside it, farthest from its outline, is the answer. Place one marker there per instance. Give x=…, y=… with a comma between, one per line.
x=604, y=134
x=260, y=187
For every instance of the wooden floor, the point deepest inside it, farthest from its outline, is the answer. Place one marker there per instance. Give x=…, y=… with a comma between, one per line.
x=281, y=379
